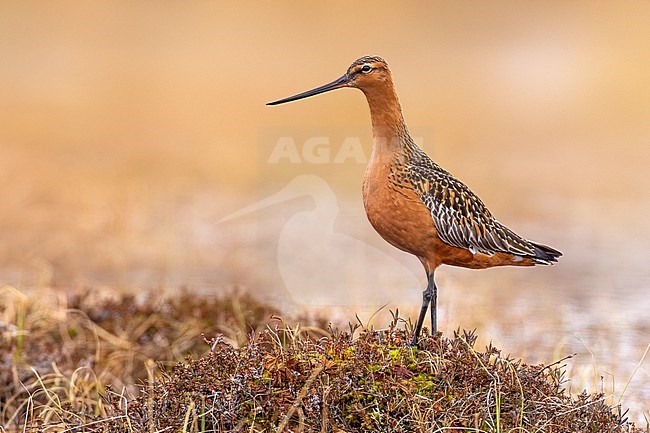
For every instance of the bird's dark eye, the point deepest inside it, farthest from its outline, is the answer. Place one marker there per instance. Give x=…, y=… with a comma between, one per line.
x=366, y=69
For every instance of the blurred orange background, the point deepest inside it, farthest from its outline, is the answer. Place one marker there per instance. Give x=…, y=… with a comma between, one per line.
x=128, y=130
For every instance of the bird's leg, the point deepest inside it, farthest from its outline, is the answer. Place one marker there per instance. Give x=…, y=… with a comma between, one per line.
x=428, y=295
x=434, y=305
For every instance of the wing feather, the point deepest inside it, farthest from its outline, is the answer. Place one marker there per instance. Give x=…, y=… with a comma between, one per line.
x=459, y=215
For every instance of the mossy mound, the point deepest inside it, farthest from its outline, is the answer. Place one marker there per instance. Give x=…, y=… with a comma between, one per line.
x=281, y=381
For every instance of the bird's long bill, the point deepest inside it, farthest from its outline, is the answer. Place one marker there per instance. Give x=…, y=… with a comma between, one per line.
x=336, y=84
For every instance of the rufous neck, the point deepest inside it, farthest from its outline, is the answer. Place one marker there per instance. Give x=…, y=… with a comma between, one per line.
x=388, y=126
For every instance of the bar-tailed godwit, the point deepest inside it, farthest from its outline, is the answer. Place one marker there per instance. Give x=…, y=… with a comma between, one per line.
x=416, y=205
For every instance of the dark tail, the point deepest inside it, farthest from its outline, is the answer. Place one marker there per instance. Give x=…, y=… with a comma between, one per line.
x=545, y=255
